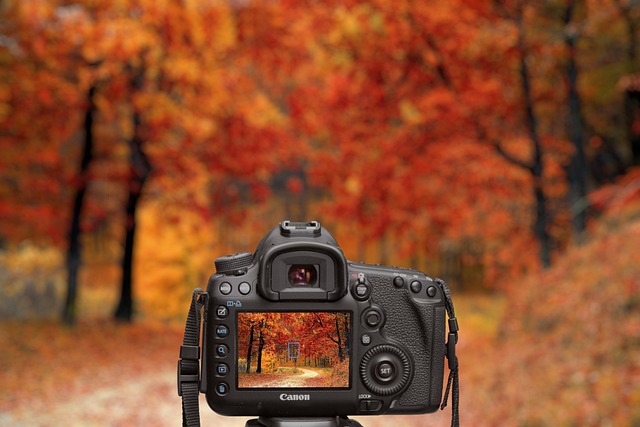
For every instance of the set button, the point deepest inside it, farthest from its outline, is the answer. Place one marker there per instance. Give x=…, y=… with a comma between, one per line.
x=385, y=371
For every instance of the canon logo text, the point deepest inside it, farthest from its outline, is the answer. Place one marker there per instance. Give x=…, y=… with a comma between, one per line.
x=285, y=396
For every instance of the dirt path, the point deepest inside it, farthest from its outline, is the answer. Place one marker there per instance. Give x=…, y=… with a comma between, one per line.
x=295, y=381
x=107, y=380
x=149, y=400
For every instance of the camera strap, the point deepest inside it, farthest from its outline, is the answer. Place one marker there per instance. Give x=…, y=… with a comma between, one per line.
x=189, y=363
x=453, y=384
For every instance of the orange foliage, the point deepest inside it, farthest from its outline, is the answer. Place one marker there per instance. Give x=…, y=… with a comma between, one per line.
x=569, y=339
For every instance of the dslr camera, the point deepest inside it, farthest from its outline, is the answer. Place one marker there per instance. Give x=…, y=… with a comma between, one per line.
x=296, y=330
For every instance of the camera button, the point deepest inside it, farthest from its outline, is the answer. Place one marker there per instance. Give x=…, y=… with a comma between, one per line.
x=222, y=369
x=385, y=371
x=370, y=405
x=432, y=291
x=365, y=339
x=373, y=319
x=398, y=282
x=225, y=288
x=244, y=288
x=222, y=331
x=361, y=291
x=222, y=350
x=375, y=405
x=222, y=389
x=415, y=286
x=222, y=311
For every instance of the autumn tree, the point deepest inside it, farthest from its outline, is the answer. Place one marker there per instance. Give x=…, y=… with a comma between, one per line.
x=158, y=93
x=395, y=123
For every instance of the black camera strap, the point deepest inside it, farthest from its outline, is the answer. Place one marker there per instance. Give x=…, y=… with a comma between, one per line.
x=453, y=384
x=189, y=363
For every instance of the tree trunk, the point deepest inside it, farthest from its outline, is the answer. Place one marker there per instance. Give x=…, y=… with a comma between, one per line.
x=578, y=168
x=536, y=166
x=339, y=342
x=347, y=336
x=249, y=349
x=631, y=101
x=260, y=347
x=74, y=256
x=140, y=170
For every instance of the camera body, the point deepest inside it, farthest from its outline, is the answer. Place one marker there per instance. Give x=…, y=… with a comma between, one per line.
x=294, y=329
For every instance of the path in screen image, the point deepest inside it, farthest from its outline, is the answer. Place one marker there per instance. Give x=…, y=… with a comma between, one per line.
x=305, y=378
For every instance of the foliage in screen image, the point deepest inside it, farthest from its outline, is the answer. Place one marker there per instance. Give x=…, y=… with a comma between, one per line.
x=294, y=350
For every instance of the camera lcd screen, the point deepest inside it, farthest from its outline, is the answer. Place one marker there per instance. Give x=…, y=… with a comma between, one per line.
x=294, y=350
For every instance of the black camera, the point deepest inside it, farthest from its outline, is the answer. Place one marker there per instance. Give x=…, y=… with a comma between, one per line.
x=296, y=330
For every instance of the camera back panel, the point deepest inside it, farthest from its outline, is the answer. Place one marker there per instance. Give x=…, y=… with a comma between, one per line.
x=391, y=323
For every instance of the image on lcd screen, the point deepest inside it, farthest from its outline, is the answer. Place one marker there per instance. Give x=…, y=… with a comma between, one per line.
x=294, y=349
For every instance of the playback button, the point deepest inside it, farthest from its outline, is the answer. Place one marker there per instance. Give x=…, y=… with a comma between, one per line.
x=222, y=369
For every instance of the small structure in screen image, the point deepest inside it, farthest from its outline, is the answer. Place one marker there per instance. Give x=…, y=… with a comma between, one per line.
x=294, y=349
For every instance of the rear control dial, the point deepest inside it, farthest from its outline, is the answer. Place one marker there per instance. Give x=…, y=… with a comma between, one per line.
x=385, y=370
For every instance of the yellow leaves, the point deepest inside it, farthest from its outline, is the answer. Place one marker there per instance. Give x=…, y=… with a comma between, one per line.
x=224, y=31
x=356, y=22
x=182, y=68
x=29, y=274
x=174, y=259
x=349, y=22
x=262, y=113
x=35, y=12
x=353, y=185
x=409, y=113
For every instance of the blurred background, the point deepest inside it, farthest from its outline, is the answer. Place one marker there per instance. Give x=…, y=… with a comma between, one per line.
x=493, y=143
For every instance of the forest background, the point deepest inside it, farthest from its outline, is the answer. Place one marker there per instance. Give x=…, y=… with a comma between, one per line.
x=494, y=143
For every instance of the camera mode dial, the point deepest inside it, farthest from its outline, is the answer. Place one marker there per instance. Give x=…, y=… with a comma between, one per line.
x=232, y=264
